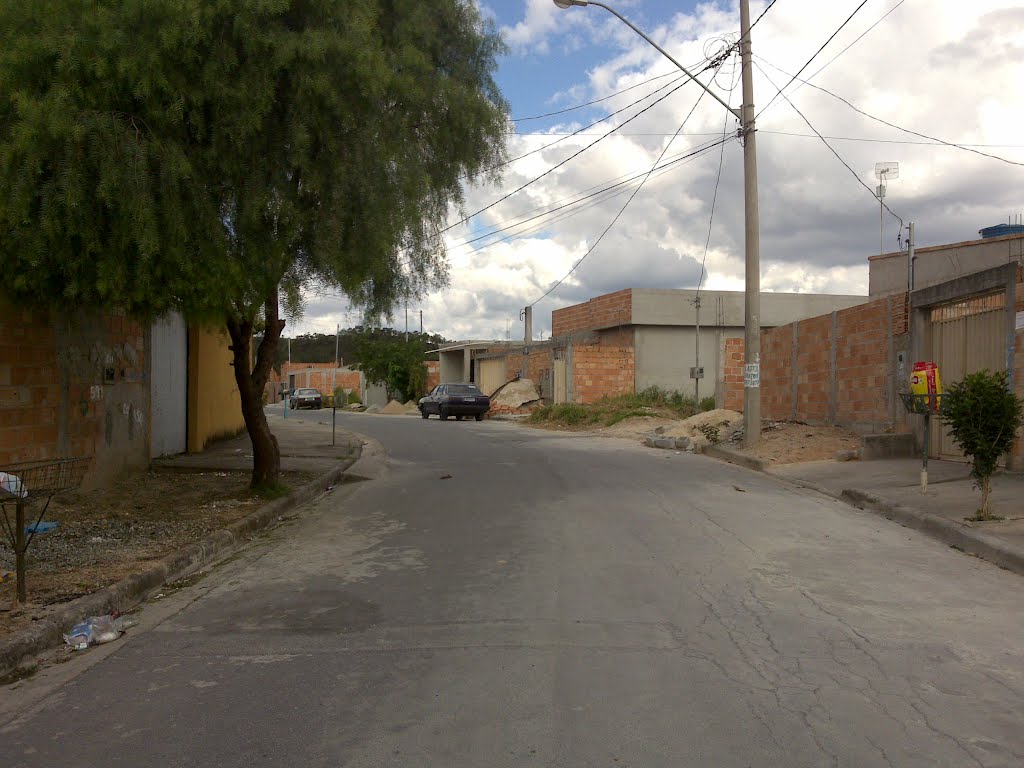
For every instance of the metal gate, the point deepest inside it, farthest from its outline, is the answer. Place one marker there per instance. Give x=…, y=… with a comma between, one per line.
x=561, y=393
x=966, y=336
x=168, y=386
x=492, y=374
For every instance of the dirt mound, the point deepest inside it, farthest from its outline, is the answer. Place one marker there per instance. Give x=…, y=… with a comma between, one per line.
x=721, y=420
x=515, y=394
x=411, y=405
x=394, y=408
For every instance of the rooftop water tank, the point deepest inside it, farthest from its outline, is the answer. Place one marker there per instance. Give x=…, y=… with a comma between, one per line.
x=1002, y=229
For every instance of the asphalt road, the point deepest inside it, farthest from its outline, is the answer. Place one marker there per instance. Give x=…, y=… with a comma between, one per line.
x=557, y=601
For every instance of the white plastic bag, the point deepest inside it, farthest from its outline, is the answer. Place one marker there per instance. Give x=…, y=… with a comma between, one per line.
x=97, y=630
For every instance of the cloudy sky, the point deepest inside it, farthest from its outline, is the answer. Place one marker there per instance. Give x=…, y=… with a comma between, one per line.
x=949, y=70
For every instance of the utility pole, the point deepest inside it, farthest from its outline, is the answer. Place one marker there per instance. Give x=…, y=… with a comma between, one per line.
x=910, y=256
x=406, y=323
x=752, y=289
x=421, y=322
x=697, y=372
x=337, y=363
x=527, y=315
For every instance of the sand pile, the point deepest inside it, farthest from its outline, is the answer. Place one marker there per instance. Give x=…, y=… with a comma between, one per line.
x=394, y=408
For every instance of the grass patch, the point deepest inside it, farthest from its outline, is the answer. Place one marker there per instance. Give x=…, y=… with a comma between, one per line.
x=608, y=411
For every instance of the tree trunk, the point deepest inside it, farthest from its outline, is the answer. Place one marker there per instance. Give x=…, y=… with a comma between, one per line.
x=266, y=455
x=986, y=487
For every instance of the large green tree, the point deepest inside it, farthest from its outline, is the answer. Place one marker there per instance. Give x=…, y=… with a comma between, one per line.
x=219, y=156
x=398, y=364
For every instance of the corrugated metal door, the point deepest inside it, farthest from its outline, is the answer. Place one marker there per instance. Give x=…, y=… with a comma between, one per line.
x=168, y=386
x=492, y=374
x=967, y=336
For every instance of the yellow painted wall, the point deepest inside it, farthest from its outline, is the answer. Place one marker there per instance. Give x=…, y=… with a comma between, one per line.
x=214, y=409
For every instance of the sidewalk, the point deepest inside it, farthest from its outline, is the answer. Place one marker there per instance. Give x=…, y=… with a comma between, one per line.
x=891, y=487
x=303, y=448
x=300, y=451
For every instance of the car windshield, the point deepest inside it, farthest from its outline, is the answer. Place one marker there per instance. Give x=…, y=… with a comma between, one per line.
x=307, y=392
x=463, y=389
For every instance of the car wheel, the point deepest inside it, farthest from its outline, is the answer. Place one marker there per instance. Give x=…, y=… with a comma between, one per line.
x=423, y=412
x=458, y=417
x=443, y=413
x=479, y=417
x=292, y=405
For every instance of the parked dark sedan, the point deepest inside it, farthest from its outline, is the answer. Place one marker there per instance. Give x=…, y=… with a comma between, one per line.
x=306, y=398
x=456, y=400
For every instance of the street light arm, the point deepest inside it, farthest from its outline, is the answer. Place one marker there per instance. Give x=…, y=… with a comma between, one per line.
x=567, y=3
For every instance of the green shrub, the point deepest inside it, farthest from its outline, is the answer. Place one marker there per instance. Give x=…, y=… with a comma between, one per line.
x=353, y=398
x=710, y=431
x=983, y=416
x=707, y=403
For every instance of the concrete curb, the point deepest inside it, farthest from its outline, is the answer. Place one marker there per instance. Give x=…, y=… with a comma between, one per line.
x=48, y=632
x=947, y=531
x=733, y=457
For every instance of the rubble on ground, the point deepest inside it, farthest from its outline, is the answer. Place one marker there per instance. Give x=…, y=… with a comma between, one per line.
x=694, y=433
x=519, y=396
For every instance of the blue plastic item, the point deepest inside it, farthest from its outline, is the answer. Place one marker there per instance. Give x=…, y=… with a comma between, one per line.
x=42, y=526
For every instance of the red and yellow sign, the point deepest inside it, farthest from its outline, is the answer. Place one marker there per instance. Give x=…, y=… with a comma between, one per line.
x=925, y=380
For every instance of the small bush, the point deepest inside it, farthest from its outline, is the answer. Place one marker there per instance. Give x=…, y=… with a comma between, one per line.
x=983, y=416
x=710, y=431
x=353, y=398
x=707, y=403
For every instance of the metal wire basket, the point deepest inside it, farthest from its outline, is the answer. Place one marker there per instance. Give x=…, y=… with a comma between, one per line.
x=27, y=484
x=45, y=478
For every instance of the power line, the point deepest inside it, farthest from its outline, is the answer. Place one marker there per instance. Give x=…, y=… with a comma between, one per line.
x=935, y=143
x=581, y=130
x=718, y=178
x=857, y=40
x=615, y=190
x=595, y=101
x=808, y=63
x=555, y=167
x=838, y=156
x=858, y=110
x=587, y=194
x=624, y=205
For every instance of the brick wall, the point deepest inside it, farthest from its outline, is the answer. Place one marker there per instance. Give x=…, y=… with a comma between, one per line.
x=863, y=365
x=813, y=373
x=600, y=312
x=536, y=365
x=732, y=374
x=73, y=386
x=433, y=373
x=843, y=374
x=600, y=369
x=777, y=374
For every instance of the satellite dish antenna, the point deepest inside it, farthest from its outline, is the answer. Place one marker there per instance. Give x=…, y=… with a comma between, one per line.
x=883, y=172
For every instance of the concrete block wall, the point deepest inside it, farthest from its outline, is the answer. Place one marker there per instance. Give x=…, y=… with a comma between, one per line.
x=73, y=386
x=600, y=312
x=600, y=369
